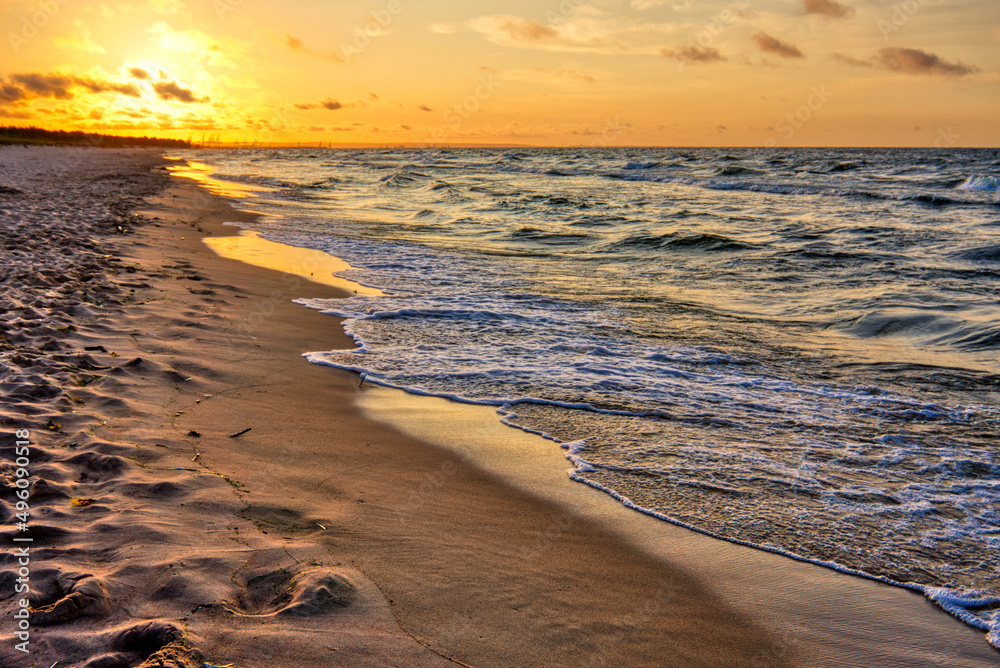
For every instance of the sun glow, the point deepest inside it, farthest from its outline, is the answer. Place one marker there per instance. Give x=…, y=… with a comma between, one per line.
x=630, y=73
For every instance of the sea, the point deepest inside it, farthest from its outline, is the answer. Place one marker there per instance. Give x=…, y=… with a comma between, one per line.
x=793, y=349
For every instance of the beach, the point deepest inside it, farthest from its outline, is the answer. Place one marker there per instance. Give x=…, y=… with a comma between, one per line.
x=199, y=492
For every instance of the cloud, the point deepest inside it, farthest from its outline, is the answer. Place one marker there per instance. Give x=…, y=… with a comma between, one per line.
x=96, y=86
x=171, y=90
x=584, y=31
x=830, y=8
x=525, y=30
x=562, y=77
x=138, y=73
x=424, y=107
x=45, y=85
x=9, y=93
x=915, y=61
x=850, y=60
x=80, y=40
x=693, y=53
x=909, y=61
x=328, y=103
x=769, y=44
x=296, y=44
x=574, y=75
x=35, y=85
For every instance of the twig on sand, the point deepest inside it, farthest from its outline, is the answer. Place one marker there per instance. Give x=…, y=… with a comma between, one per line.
x=240, y=433
x=363, y=376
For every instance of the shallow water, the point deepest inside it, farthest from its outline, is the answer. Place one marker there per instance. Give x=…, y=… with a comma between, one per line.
x=796, y=349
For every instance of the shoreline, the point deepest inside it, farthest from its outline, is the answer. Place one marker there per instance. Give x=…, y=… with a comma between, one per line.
x=456, y=582
x=324, y=537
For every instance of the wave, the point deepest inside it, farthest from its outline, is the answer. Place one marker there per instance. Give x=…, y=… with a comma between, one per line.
x=545, y=236
x=833, y=167
x=736, y=170
x=251, y=179
x=703, y=242
x=984, y=254
x=641, y=164
x=402, y=178
x=981, y=183
x=322, y=184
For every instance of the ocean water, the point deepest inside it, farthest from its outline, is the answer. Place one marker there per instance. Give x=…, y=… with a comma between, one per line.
x=796, y=349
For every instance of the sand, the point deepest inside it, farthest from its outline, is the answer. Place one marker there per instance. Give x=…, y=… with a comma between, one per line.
x=325, y=535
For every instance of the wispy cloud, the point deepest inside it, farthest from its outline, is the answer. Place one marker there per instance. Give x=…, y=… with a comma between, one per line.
x=851, y=60
x=296, y=44
x=769, y=44
x=582, y=32
x=830, y=8
x=561, y=77
x=695, y=54
x=910, y=61
x=523, y=30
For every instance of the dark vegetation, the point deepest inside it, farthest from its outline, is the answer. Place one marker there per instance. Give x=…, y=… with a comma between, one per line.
x=38, y=136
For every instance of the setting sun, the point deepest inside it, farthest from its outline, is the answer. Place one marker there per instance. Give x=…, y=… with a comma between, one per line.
x=608, y=72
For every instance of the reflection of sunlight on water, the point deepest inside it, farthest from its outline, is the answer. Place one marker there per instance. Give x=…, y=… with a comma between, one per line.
x=314, y=265
x=202, y=173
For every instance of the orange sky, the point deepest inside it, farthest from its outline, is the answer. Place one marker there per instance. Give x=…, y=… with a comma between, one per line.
x=551, y=72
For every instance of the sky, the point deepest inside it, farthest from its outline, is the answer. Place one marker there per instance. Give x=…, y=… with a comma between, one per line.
x=520, y=72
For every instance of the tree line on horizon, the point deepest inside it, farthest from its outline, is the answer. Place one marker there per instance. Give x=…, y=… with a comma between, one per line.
x=33, y=135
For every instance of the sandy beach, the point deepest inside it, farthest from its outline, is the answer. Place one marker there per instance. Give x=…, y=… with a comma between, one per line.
x=199, y=493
